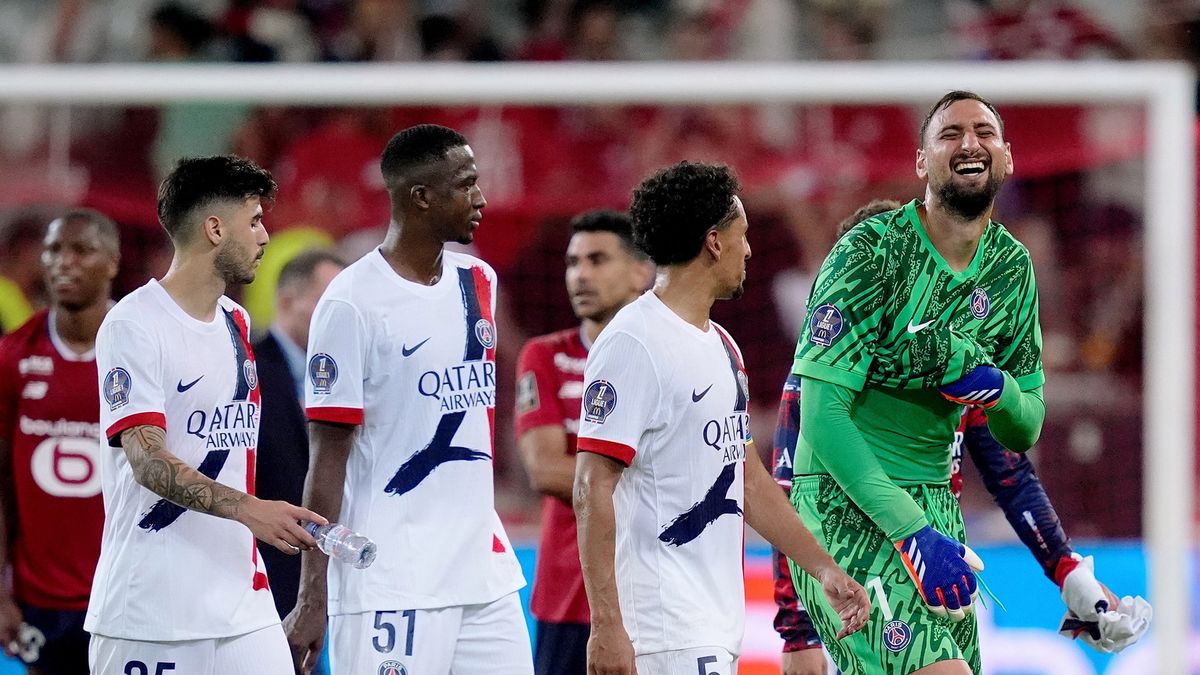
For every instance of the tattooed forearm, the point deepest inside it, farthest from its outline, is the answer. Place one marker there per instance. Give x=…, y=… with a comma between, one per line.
x=164, y=474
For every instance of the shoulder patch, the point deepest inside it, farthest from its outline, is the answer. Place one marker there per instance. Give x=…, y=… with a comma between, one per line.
x=825, y=325
x=599, y=400
x=116, y=388
x=322, y=372
x=527, y=394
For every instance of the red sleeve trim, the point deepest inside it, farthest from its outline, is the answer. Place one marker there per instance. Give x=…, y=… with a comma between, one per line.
x=336, y=415
x=618, y=451
x=153, y=419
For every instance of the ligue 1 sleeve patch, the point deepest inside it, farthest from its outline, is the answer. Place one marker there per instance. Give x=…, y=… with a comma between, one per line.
x=527, y=394
x=825, y=325
x=599, y=400
x=116, y=388
x=322, y=372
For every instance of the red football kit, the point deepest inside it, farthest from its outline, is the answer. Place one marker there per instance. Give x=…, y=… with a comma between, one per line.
x=49, y=416
x=550, y=392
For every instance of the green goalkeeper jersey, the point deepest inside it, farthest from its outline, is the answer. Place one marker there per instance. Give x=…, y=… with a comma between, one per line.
x=889, y=319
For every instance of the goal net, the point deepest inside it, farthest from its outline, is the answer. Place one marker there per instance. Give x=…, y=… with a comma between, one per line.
x=1103, y=196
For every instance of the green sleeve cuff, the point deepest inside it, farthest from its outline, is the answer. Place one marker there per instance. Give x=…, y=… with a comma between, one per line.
x=1016, y=419
x=830, y=374
x=1029, y=382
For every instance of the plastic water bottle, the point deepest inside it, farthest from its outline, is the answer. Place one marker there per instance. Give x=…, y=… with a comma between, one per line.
x=341, y=543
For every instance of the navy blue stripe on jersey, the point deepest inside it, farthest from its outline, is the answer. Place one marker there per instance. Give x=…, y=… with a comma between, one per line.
x=242, y=392
x=473, y=351
x=736, y=366
x=438, y=452
x=163, y=513
x=716, y=503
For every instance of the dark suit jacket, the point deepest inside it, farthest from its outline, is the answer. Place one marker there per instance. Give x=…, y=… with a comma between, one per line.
x=282, y=459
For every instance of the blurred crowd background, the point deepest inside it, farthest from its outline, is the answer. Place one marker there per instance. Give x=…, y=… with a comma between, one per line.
x=1077, y=201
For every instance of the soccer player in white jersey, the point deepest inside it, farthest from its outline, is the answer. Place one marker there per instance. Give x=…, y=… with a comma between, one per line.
x=667, y=473
x=179, y=586
x=401, y=399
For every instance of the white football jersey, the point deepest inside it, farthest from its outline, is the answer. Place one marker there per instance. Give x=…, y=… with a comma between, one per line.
x=415, y=366
x=167, y=573
x=669, y=400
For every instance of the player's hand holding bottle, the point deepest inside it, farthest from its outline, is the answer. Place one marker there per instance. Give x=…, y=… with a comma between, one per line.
x=846, y=596
x=278, y=523
x=944, y=571
x=1094, y=614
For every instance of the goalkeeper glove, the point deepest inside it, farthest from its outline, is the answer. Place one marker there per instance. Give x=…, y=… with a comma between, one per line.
x=944, y=571
x=982, y=387
x=1094, y=614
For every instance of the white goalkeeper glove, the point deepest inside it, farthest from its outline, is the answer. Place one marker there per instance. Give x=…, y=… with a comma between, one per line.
x=1094, y=614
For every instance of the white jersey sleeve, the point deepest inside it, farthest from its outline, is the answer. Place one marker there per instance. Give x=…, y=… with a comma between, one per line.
x=129, y=362
x=337, y=348
x=621, y=399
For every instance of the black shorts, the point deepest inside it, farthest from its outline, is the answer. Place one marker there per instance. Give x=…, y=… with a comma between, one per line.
x=53, y=641
x=561, y=648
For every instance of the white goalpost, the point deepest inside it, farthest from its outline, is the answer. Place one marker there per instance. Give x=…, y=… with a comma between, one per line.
x=1166, y=90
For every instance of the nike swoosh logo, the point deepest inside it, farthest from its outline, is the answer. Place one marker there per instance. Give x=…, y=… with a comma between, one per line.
x=181, y=387
x=696, y=397
x=917, y=328
x=409, y=352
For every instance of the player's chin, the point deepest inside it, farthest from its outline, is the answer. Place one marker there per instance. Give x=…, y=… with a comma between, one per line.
x=465, y=238
x=737, y=292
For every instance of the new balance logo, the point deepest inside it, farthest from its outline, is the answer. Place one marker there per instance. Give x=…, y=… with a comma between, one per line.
x=409, y=352
x=696, y=397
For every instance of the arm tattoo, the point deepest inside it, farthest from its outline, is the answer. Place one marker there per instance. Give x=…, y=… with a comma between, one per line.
x=164, y=474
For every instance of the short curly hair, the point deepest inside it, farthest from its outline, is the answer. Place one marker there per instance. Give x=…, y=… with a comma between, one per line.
x=673, y=209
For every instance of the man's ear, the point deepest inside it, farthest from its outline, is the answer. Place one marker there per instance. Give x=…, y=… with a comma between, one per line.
x=922, y=169
x=214, y=229
x=712, y=243
x=419, y=194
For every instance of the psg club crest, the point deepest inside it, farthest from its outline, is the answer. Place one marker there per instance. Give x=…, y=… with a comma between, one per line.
x=599, y=401
x=896, y=635
x=322, y=372
x=250, y=373
x=981, y=306
x=743, y=384
x=825, y=325
x=116, y=388
x=485, y=333
x=392, y=668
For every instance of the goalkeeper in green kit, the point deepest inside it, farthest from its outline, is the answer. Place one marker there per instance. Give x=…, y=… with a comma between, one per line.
x=915, y=313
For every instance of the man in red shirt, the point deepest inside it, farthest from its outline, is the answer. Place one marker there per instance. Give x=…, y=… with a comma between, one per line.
x=605, y=271
x=49, y=450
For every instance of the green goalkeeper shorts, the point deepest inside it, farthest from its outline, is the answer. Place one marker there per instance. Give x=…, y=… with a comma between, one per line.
x=902, y=634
